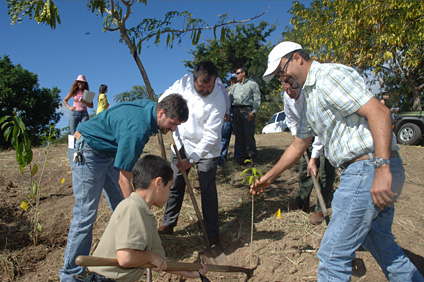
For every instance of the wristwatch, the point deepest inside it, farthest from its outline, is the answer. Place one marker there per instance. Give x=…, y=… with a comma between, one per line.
x=378, y=162
x=191, y=161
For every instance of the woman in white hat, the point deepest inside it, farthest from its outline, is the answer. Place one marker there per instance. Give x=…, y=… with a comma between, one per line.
x=79, y=108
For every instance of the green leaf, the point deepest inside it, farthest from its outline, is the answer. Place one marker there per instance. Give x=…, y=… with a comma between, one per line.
x=39, y=228
x=244, y=171
x=251, y=179
x=34, y=170
x=3, y=119
x=244, y=180
x=34, y=188
x=7, y=133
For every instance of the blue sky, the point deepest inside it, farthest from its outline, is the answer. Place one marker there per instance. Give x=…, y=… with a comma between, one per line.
x=79, y=46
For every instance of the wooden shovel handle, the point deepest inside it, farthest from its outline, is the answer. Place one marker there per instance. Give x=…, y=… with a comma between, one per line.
x=171, y=266
x=319, y=194
x=193, y=199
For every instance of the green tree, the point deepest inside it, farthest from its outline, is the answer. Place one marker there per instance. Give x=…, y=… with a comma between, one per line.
x=385, y=37
x=245, y=46
x=20, y=94
x=116, y=15
x=137, y=92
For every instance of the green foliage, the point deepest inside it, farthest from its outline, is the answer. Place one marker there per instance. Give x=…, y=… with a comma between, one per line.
x=21, y=94
x=245, y=46
x=15, y=131
x=382, y=36
x=137, y=92
x=43, y=12
x=254, y=174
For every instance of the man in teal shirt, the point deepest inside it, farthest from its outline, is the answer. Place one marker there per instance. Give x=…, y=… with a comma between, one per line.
x=106, y=150
x=245, y=99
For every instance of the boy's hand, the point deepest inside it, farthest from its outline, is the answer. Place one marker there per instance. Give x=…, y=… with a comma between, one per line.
x=192, y=274
x=159, y=262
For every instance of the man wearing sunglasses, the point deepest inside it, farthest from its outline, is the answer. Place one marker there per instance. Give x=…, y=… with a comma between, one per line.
x=355, y=129
x=245, y=99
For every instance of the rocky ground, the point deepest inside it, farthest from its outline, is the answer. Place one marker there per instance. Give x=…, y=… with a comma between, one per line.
x=286, y=246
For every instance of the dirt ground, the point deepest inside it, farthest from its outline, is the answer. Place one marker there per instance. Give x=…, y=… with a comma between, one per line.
x=286, y=246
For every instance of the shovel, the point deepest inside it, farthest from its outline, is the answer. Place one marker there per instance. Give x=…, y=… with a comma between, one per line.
x=319, y=195
x=213, y=255
x=171, y=266
x=358, y=265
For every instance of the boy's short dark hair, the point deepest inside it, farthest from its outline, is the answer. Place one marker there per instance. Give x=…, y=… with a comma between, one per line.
x=148, y=168
x=174, y=106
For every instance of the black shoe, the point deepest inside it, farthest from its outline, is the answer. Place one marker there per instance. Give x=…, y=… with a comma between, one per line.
x=166, y=230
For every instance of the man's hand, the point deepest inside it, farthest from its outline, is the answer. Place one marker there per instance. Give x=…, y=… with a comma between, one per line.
x=183, y=165
x=312, y=166
x=381, y=190
x=259, y=185
x=251, y=116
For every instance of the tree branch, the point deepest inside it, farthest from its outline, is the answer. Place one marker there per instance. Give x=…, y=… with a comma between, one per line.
x=181, y=31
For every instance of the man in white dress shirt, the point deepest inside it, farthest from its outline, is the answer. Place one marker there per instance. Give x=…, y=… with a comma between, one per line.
x=199, y=142
x=293, y=107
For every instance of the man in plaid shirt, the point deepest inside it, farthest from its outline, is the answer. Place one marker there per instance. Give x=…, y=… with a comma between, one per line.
x=355, y=129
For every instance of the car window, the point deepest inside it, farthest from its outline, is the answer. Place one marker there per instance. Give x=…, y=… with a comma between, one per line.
x=281, y=116
x=273, y=118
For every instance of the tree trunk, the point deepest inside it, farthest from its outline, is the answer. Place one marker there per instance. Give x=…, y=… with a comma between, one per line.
x=149, y=88
x=416, y=94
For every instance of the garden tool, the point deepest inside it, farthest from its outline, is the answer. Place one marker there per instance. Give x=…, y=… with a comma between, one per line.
x=319, y=195
x=211, y=255
x=171, y=266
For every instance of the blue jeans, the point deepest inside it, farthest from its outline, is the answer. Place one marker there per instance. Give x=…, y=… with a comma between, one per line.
x=227, y=130
x=96, y=172
x=76, y=118
x=357, y=221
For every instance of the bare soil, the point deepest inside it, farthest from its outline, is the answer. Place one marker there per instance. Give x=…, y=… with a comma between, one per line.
x=286, y=246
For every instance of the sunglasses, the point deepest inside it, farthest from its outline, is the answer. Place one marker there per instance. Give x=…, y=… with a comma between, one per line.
x=239, y=73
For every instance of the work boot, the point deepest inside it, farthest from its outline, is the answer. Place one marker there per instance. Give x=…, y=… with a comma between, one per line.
x=316, y=218
x=166, y=230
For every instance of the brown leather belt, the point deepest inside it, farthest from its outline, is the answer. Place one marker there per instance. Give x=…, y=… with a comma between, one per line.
x=366, y=157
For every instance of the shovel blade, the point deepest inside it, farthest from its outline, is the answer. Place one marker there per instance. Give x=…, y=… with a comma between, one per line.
x=213, y=256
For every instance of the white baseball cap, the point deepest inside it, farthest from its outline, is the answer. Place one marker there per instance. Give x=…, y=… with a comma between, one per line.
x=275, y=56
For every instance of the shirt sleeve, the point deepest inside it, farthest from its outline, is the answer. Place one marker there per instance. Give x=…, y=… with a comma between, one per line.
x=290, y=115
x=127, y=234
x=256, y=97
x=317, y=148
x=211, y=133
x=344, y=88
x=226, y=96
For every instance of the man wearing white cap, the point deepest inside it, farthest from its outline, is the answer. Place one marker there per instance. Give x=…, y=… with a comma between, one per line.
x=355, y=129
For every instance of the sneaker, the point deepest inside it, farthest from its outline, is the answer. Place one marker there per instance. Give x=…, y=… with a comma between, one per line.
x=316, y=218
x=166, y=230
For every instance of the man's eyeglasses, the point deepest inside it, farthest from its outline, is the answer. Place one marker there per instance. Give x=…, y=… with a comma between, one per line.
x=238, y=73
x=282, y=70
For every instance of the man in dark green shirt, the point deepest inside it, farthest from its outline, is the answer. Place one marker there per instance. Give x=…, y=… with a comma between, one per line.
x=106, y=150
